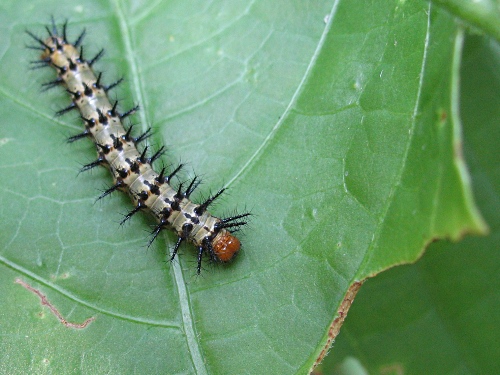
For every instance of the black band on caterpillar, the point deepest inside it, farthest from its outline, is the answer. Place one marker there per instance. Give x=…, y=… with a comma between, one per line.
x=132, y=171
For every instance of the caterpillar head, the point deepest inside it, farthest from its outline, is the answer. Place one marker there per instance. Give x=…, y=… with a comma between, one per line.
x=225, y=246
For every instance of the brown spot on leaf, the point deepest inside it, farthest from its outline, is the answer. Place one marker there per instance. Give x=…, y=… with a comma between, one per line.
x=334, y=329
x=443, y=115
x=53, y=309
x=395, y=368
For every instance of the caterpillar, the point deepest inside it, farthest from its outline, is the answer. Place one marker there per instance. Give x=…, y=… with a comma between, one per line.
x=132, y=170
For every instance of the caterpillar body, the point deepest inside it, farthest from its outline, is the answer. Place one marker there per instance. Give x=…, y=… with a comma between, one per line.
x=131, y=169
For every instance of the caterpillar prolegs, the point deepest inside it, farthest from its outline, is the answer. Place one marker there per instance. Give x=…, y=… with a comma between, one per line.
x=132, y=170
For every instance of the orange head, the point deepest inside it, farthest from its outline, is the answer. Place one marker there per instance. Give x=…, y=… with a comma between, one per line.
x=225, y=246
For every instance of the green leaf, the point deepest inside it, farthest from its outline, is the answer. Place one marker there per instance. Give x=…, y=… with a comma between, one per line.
x=484, y=14
x=440, y=315
x=335, y=123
